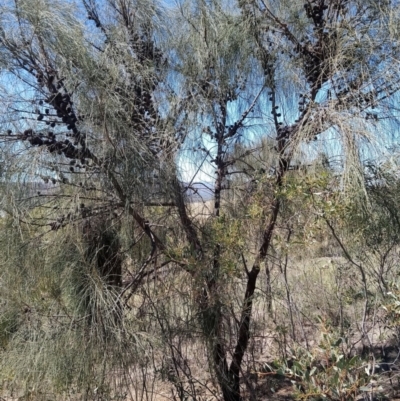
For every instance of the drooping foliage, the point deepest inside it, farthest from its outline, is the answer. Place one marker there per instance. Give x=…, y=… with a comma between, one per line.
x=156, y=157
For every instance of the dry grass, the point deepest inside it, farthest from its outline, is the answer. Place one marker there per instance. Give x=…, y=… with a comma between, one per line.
x=201, y=210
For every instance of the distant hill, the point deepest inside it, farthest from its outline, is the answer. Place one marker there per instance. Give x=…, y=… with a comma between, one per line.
x=195, y=192
x=199, y=191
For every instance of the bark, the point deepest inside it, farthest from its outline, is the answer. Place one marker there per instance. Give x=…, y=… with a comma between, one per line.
x=187, y=223
x=252, y=275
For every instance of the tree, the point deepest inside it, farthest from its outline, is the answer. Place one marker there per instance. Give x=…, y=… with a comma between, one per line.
x=103, y=98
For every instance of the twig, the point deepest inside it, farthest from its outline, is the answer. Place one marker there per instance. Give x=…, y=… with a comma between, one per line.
x=361, y=270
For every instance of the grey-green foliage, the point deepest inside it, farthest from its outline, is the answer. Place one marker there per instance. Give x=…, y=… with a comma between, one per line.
x=105, y=69
x=61, y=328
x=130, y=87
x=59, y=332
x=371, y=233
